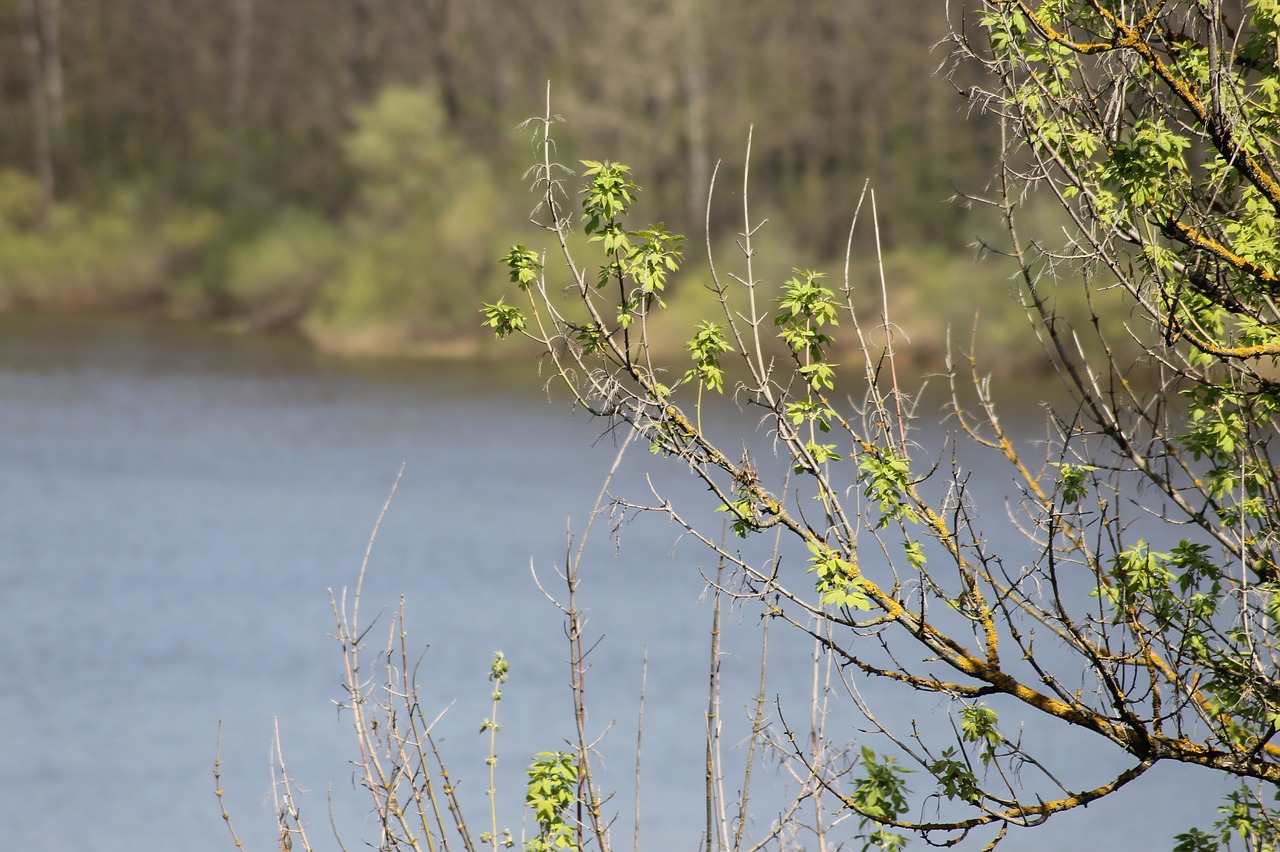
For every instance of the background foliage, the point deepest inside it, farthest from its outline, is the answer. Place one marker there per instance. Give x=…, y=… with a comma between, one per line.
x=256, y=117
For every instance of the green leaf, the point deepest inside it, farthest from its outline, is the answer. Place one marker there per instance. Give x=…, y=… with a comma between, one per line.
x=607, y=196
x=504, y=319
x=524, y=265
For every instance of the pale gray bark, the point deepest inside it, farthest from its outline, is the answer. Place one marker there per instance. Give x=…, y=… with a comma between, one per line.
x=50, y=12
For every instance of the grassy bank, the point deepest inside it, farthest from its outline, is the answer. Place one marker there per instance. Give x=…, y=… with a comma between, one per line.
x=387, y=293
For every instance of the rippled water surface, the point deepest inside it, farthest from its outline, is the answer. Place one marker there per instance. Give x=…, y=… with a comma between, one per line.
x=176, y=503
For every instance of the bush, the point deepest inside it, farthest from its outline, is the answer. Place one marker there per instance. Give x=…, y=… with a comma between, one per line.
x=21, y=201
x=417, y=258
x=274, y=280
x=132, y=252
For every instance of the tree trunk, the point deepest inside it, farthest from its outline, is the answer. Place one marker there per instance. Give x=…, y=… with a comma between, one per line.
x=42, y=147
x=238, y=97
x=364, y=50
x=440, y=50
x=50, y=12
x=693, y=70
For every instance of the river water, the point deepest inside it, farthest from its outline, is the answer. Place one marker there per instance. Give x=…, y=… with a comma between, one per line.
x=175, y=504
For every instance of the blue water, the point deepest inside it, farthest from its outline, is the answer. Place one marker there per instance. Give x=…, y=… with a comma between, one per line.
x=176, y=504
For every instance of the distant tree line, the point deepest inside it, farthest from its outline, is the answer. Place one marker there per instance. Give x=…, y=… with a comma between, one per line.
x=247, y=102
x=252, y=159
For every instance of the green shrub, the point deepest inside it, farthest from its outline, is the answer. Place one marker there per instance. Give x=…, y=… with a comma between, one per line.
x=21, y=200
x=421, y=237
x=273, y=280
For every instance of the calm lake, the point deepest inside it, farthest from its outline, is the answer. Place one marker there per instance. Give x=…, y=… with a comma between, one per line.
x=175, y=504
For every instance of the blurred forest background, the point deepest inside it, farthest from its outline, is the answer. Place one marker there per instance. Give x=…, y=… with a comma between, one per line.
x=352, y=168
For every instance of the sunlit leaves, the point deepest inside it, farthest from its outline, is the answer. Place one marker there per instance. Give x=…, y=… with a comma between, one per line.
x=708, y=343
x=553, y=778
x=1179, y=594
x=819, y=375
x=524, y=266
x=955, y=779
x=808, y=410
x=1218, y=427
x=821, y=453
x=806, y=310
x=742, y=509
x=1140, y=579
x=1162, y=139
x=504, y=319
x=838, y=582
x=805, y=300
x=978, y=725
x=640, y=261
x=1179, y=591
x=657, y=255
x=1195, y=840
x=885, y=481
x=1149, y=166
x=914, y=553
x=880, y=795
x=608, y=194
x=499, y=670
x=1072, y=484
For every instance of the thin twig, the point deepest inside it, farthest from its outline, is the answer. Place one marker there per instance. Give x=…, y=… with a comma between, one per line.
x=644, y=678
x=217, y=788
